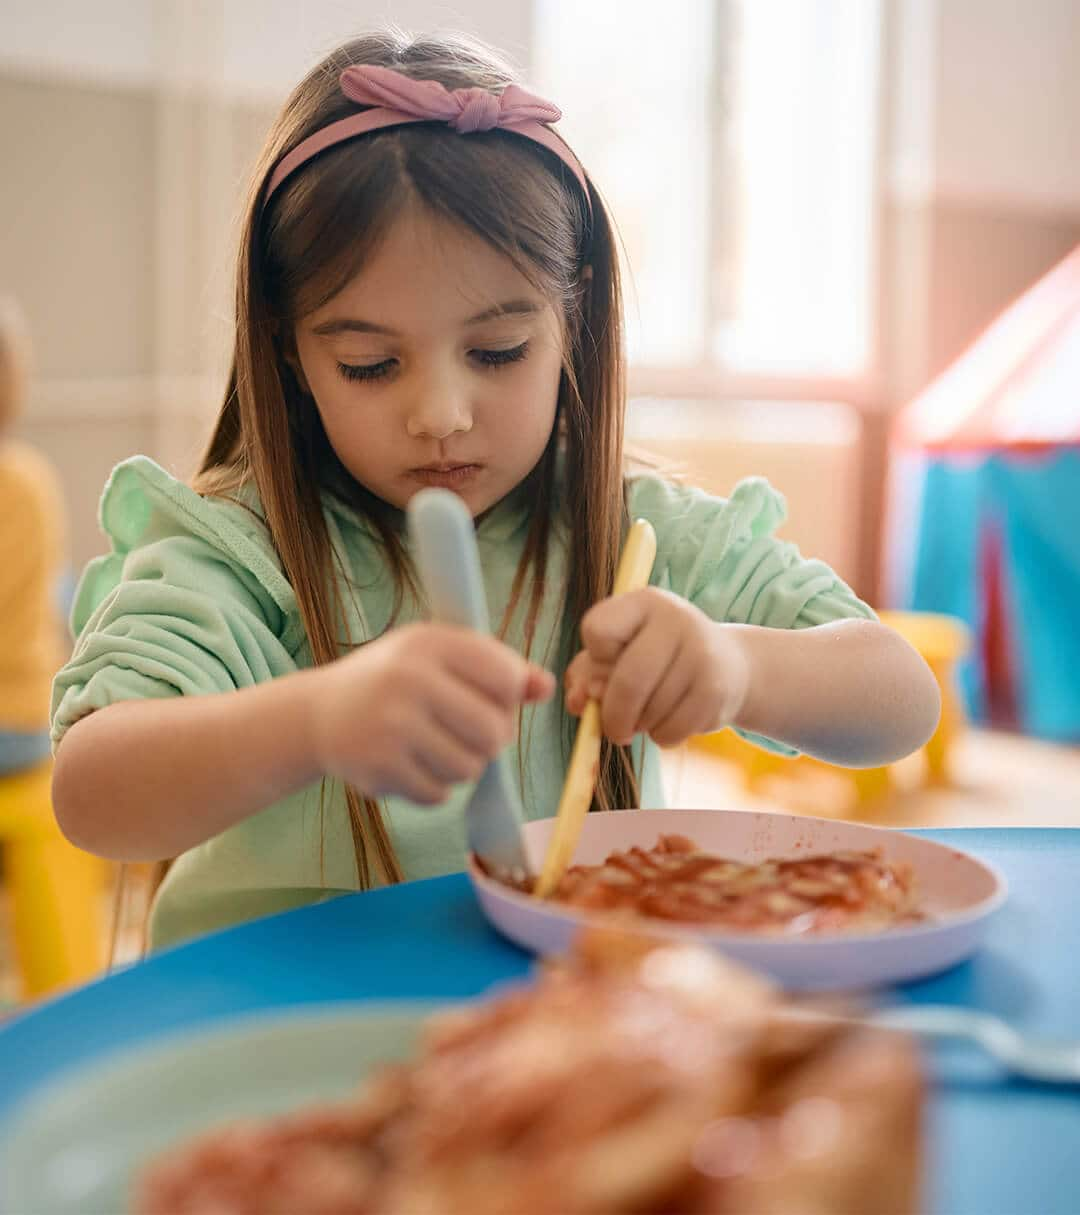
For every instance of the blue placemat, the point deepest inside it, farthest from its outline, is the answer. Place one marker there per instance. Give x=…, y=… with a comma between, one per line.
x=995, y=1146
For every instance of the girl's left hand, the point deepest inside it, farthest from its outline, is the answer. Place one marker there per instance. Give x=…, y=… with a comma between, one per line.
x=659, y=666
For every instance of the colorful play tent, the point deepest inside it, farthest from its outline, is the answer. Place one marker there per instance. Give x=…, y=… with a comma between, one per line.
x=983, y=516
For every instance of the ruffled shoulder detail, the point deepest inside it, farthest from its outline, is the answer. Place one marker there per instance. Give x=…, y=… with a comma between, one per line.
x=143, y=504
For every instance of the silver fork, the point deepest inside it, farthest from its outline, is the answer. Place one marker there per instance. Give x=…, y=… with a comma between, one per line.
x=1043, y=1060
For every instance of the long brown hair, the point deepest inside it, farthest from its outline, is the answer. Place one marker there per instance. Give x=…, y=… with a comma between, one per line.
x=312, y=238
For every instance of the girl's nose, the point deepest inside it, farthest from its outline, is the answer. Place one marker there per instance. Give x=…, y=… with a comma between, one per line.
x=441, y=411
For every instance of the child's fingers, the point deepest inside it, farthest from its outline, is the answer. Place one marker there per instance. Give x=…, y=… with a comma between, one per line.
x=579, y=696
x=469, y=716
x=577, y=669
x=494, y=669
x=585, y=680
x=586, y=674
x=671, y=692
x=639, y=671
x=539, y=685
x=689, y=717
x=417, y=785
x=442, y=757
x=611, y=625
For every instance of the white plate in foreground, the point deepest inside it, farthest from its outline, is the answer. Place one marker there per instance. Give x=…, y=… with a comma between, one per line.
x=956, y=890
x=75, y=1145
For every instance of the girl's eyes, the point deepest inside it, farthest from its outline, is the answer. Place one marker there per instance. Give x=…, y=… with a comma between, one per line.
x=499, y=358
x=487, y=359
x=370, y=371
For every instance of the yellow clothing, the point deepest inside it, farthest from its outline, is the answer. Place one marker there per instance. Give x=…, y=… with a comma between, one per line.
x=31, y=553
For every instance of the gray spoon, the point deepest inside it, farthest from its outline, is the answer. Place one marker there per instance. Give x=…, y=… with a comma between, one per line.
x=444, y=540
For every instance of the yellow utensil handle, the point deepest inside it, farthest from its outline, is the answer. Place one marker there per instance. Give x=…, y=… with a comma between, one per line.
x=635, y=566
x=636, y=561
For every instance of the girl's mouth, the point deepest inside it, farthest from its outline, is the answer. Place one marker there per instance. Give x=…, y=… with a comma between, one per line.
x=447, y=476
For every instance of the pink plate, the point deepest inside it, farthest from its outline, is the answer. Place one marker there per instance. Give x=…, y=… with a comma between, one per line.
x=958, y=892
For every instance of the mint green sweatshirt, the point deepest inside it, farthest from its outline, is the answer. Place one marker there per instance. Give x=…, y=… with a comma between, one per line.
x=192, y=600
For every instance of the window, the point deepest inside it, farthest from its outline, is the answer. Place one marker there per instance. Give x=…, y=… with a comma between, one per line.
x=736, y=142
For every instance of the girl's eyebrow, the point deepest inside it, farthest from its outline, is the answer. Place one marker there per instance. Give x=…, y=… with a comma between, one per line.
x=510, y=308
x=349, y=324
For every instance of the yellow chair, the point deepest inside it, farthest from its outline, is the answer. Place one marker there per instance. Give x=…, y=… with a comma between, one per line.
x=942, y=641
x=55, y=889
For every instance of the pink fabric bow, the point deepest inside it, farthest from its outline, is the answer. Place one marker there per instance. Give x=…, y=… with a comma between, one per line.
x=466, y=110
x=395, y=99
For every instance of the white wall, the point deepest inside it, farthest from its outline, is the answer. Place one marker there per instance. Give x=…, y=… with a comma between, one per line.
x=268, y=42
x=261, y=47
x=982, y=172
x=985, y=99
x=1009, y=103
x=104, y=40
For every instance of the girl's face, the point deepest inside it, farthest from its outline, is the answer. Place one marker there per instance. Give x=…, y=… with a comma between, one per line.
x=438, y=364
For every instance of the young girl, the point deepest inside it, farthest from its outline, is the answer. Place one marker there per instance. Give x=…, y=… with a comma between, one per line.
x=427, y=294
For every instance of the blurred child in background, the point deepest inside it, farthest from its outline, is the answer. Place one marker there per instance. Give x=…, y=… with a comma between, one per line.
x=31, y=564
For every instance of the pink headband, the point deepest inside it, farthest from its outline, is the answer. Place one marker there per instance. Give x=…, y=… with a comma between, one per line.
x=398, y=99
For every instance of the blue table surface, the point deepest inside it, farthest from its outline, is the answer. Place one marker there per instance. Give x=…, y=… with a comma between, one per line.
x=995, y=1145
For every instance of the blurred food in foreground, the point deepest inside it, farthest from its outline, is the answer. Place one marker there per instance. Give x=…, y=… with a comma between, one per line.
x=632, y=1077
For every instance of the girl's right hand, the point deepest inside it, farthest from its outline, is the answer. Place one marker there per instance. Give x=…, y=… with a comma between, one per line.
x=421, y=709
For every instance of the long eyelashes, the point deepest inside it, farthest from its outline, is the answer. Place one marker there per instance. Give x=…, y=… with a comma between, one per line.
x=500, y=358
x=374, y=371
x=488, y=359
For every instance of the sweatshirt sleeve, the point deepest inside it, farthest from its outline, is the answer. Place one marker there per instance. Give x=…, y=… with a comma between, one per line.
x=190, y=600
x=723, y=555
